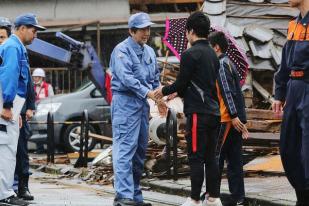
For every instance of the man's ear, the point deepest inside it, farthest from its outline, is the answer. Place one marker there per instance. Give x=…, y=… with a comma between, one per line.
x=131, y=32
x=217, y=48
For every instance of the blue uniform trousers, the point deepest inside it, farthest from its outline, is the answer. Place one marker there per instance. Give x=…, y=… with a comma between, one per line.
x=130, y=138
x=22, y=157
x=294, y=138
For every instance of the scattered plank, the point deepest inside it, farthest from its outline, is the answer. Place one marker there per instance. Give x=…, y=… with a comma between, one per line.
x=261, y=114
x=268, y=97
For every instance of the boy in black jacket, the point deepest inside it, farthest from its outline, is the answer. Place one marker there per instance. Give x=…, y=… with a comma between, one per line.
x=196, y=83
x=233, y=119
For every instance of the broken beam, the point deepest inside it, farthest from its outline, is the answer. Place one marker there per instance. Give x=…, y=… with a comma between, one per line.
x=263, y=92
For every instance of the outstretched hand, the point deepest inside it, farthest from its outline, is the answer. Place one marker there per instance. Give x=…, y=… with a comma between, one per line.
x=158, y=93
x=277, y=108
x=240, y=127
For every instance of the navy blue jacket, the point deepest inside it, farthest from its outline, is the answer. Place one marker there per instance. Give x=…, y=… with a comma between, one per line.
x=230, y=89
x=295, y=54
x=30, y=98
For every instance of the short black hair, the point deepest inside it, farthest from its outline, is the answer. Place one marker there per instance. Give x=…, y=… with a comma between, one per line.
x=199, y=23
x=8, y=30
x=27, y=26
x=218, y=38
x=134, y=29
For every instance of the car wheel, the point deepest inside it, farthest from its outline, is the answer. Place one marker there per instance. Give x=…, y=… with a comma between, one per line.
x=72, y=138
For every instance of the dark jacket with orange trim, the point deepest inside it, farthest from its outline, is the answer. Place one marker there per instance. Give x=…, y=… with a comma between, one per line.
x=196, y=81
x=295, y=55
x=230, y=89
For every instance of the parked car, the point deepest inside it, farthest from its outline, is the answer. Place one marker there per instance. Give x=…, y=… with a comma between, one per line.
x=69, y=107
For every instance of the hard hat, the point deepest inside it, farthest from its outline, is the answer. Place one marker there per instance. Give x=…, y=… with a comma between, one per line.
x=38, y=72
x=5, y=22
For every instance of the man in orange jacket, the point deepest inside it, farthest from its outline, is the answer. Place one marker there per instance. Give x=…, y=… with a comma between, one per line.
x=292, y=92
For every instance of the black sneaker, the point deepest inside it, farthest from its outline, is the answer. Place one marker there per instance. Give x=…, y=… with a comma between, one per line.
x=235, y=203
x=143, y=204
x=123, y=202
x=13, y=200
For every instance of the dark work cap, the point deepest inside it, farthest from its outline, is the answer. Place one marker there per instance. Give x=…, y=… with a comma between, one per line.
x=139, y=20
x=28, y=19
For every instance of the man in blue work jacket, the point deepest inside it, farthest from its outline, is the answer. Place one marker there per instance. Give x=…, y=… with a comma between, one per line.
x=292, y=92
x=14, y=77
x=134, y=77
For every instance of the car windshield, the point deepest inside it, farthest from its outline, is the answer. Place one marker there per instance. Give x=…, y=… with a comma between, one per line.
x=83, y=86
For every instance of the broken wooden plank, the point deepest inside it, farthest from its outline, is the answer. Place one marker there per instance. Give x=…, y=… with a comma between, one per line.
x=263, y=125
x=271, y=163
x=100, y=137
x=75, y=155
x=268, y=97
x=261, y=114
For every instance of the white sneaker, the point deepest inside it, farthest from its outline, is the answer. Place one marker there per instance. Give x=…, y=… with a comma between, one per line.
x=217, y=202
x=190, y=202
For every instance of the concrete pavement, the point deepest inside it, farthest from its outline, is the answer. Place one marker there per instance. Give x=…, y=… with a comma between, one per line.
x=262, y=190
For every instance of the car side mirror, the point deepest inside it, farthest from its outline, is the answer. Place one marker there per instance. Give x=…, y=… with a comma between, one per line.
x=95, y=94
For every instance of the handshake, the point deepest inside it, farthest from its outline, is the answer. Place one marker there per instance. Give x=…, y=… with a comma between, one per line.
x=156, y=95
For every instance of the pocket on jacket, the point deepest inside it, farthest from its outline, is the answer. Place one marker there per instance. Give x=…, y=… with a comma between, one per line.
x=24, y=69
x=120, y=126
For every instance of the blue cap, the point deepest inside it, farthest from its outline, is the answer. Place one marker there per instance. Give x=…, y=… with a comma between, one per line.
x=5, y=22
x=28, y=19
x=139, y=20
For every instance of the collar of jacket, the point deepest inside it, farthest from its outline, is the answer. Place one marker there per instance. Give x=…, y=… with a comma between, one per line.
x=221, y=56
x=200, y=41
x=304, y=20
x=17, y=40
x=138, y=49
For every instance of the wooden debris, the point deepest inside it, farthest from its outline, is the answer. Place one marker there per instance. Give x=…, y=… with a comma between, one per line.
x=263, y=92
x=263, y=125
x=271, y=163
x=75, y=155
x=261, y=114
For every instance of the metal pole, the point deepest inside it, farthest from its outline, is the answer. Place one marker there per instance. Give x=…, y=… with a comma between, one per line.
x=174, y=134
x=168, y=147
x=171, y=138
x=81, y=161
x=86, y=121
x=99, y=40
x=50, y=139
